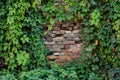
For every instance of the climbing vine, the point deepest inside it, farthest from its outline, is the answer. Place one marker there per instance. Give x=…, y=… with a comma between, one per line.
x=22, y=35
x=22, y=45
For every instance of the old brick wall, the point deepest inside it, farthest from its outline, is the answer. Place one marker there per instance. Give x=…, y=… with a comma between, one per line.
x=64, y=42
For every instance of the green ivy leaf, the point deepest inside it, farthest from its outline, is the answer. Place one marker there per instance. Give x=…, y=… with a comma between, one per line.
x=22, y=58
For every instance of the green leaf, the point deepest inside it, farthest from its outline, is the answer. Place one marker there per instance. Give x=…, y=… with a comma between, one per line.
x=22, y=58
x=24, y=39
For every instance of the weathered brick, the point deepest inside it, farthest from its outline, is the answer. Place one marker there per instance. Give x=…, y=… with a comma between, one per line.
x=76, y=39
x=58, y=24
x=55, y=49
x=69, y=39
x=56, y=28
x=53, y=35
x=77, y=51
x=62, y=32
x=76, y=31
x=62, y=54
x=67, y=46
x=58, y=46
x=59, y=39
x=49, y=43
x=75, y=27
x=59, y=42
x=70, y=28
x=77, y=35
x=65, y=25
x=78, y=24
x=63, y=40
x=49, y=32
x=69, y=42
x=56, y=32
x=68, y=35
x=56, y=54
x=54, y=46
x=78, y=45
x=61, y=46
x=68, y=31
x=71, y=25
x=49, y=39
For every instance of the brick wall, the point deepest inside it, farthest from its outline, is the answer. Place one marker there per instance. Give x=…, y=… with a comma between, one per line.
x=64, y=42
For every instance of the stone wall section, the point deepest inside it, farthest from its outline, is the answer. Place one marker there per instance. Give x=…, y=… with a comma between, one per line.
x=64, y=42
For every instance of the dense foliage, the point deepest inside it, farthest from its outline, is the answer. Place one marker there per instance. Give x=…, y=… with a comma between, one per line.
x=22, y=52
x=21, y=40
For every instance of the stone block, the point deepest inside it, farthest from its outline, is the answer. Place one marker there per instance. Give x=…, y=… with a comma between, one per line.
x=70, y=28
x=53, y=35
x=56, y=32
x=76, y=31
x=49, y=39
x=59, y=39
x=54, y=46
x=69, y=35
x=62, y=54
x=71, y=25
x=61, y=46
x=58, y=46
x=49, y=32
x=67, y=46
x=69, y=42
x=59, y=42
x=69, y=38
x=49, y=43
x=55, y=49
x=75, y=27
x=56, y=54
x=62, y=32
x=76, y=38
x=68, y=32
x=77, y=35
x=56, y=28
x=78, y=24
x=65, y=25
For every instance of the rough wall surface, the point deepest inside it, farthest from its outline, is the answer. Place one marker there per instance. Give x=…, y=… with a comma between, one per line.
x=64, y=42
